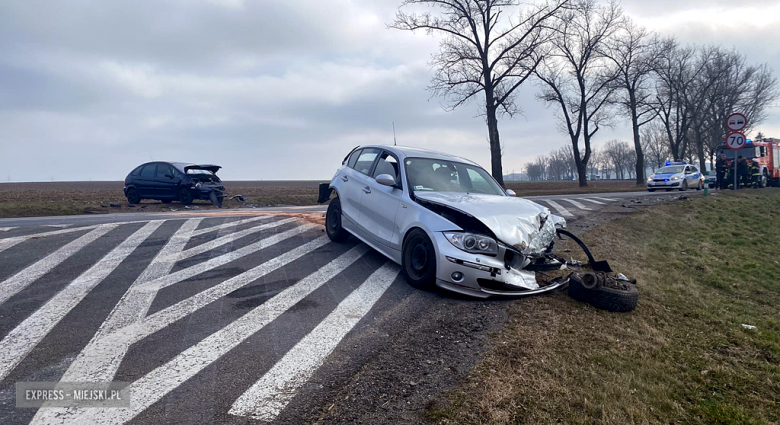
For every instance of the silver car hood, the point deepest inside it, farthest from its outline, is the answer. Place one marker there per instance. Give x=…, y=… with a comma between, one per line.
x=525, y=225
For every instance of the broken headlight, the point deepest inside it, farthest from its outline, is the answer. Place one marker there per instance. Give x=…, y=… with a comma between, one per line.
x=475, y=244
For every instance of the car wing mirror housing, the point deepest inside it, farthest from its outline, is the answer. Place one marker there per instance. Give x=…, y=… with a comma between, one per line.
x=510, y=192
x=386, y=180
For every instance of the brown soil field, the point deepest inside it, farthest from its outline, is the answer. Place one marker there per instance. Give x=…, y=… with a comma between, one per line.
x=68, y=198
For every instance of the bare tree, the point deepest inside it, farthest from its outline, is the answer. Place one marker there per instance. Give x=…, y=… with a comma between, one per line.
x=483, y=52
x=621, y=157
x=655, y=144
x=634, y=51
x=672, y=84
x=577, y=77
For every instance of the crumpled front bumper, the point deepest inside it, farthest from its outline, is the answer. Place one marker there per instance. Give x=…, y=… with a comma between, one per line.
x=483, y=275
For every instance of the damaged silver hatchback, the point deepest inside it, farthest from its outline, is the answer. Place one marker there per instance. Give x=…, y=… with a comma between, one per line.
x=444, y=219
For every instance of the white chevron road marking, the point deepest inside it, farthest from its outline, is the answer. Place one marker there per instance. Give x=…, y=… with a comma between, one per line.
x=592, y=200
x=22, y=339
x=161, y=381
x=577, y=204
x=271, y=394
x=558, y=207
x=22, y=279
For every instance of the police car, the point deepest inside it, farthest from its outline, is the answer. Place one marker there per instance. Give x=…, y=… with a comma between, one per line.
x=676, y=175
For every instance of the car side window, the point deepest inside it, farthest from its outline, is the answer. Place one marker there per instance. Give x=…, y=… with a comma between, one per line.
x=137, y=171
x=366, y=160
x=148, y=170
x=387, y=164
x=353, y=158
x=694, y=170
x=162, y=170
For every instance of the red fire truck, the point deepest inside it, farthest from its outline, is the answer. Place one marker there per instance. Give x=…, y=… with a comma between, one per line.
x=766, y=151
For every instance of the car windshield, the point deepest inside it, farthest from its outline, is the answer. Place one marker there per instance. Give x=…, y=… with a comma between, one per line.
x=672, y=169
x=436, y=175
x=199, y=171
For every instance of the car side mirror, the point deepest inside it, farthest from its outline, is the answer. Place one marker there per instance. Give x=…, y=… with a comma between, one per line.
x=169, y=176
x=386, y=180
x=510, y=192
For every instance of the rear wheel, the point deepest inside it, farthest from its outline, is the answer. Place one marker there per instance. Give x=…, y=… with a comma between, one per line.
x=132, y=196
x=419, y=260
x=333, y=228
x=763, y=181
x=185, y=197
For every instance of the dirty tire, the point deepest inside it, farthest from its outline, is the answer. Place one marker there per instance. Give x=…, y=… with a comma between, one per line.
x=166, y=201
x=333, y=228
x=132, y=196
x=185, y=197
x=418, y=260
x=604, y=297
x=684, y=186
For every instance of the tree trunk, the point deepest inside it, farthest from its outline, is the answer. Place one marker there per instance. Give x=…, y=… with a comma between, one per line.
x=640, y=156
x=582, y=171
x=495, y=144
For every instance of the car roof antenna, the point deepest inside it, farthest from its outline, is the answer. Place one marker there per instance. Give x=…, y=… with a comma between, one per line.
x=394, y=143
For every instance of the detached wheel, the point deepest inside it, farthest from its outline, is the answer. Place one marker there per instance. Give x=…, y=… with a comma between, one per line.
x=613, y=296
x=132, y=196
x=185, y=197
x=333, y=228
x=419, y=260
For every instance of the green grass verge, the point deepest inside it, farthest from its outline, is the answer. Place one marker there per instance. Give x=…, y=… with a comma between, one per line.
x=705, y=266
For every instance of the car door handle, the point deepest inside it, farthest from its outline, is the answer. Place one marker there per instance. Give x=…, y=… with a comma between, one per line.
x=344, y=178
x=367, y=189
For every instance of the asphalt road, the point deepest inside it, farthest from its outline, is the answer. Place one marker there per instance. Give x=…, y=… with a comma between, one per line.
x=231, y=317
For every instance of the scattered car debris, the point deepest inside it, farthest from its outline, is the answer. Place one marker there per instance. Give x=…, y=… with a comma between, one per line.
x=749, y=327
x=239, y=198
x=115, y=206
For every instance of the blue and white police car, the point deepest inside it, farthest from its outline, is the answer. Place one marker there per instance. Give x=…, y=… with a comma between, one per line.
x=676, y=175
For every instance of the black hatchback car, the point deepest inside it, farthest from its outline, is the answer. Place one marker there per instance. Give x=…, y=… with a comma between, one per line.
x=168, y=181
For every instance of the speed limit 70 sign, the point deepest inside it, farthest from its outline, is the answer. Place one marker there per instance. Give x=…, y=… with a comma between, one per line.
x=735, y=141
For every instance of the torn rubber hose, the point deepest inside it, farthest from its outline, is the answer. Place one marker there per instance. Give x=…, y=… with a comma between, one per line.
x=599, y=266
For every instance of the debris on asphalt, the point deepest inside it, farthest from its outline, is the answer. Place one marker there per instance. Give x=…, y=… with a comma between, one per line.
x=748, y=327
x=115, y=205
x=239, y=198
x=683, y=197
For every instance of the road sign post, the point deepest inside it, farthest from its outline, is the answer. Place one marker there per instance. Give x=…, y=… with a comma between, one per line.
x=735, y=123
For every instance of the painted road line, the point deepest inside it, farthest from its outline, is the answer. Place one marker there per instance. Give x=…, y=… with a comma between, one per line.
x=166, y=378
x=22, y=339
x=577, y=204
x=229, y=238
x=101, y=361
x=227, y=225
x=98, y=362
x=605, y=199
x=22, y=279
x=592, y=200
x=270, y=394
x=558, y=207
x=184, y=274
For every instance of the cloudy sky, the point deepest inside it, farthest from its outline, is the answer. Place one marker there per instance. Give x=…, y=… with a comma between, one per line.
x=269, y=89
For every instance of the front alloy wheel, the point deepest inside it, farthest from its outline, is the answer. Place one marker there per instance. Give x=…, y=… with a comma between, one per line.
x=333, y=228
x=132, y=196
x=419, y=260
